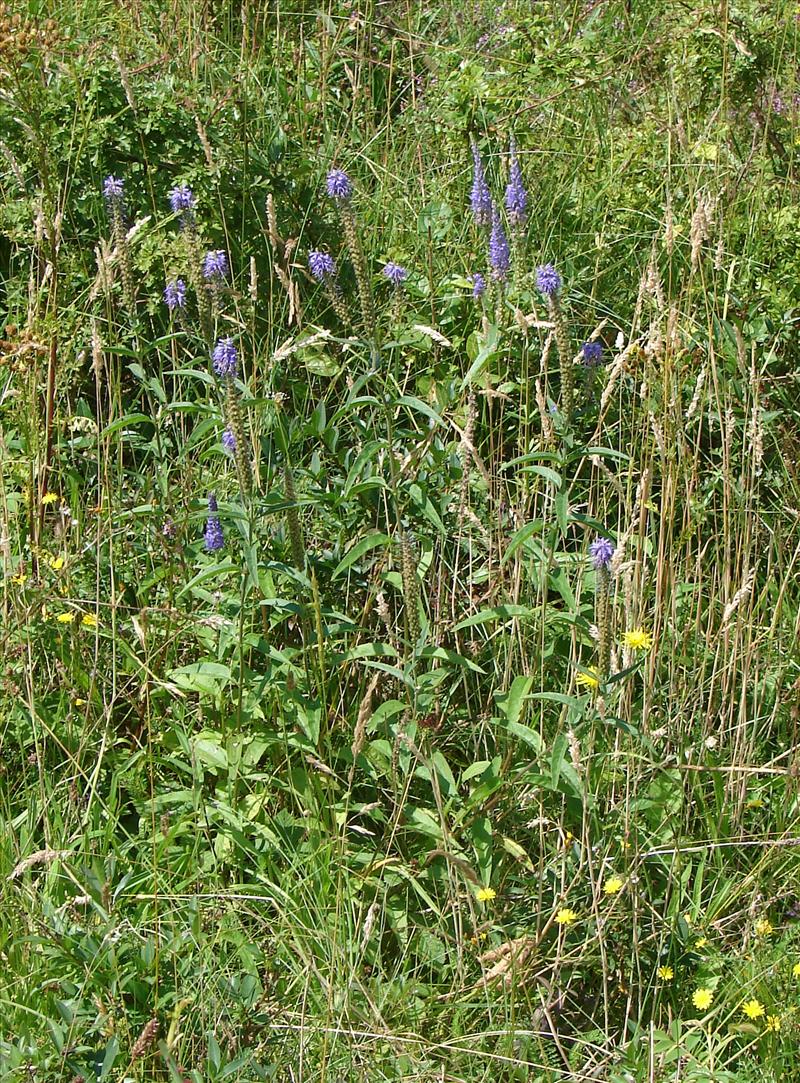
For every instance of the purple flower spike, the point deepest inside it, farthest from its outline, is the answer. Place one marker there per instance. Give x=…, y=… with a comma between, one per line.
x=602, y=552
x=175, y=294
x=229, y=442
x=516, y=196
x=499, y=254
x=213, y=535
x=339, y=186
x=321, y=265
x=225, y=359
x=181, y=198
x=113, y=189
x=548, y=280
x=592, y=354
x=215, y=264
x=395, y=273
x=480, y=199
x=478, y=285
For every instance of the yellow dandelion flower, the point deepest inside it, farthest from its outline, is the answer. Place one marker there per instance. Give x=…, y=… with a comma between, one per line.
x=49, y=498
x=565, y=916
x=666, y=973
x=486, y=894
x=773, y=1023
x=701, y=998
x=56, y=563
x=753, y=1009
x=613, y=885
x=65, y=618
x=763, y=927
x=637, y=640
x=796, y=970
x=589, y=678
x=89, y=620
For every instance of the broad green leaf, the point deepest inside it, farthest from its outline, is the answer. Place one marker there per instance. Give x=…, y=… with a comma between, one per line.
x=372, y=541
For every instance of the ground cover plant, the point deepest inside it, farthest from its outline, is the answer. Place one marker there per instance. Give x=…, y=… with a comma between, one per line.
x=400, y=542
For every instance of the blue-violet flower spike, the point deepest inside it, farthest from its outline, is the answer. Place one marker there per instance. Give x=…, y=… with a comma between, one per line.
x=225, y=359
x=395, y=273
x=592, y=353
x=516, y=196
x=229, y=441
x=113, y=188
x=480, y=199
x=499, y=253
x=213, y=535
x=548, y=280
x=215, y=264
x=478, y=285
x=602, y=552
x=339, y=186
x=181, y=198
x=321, y=265
x=175, y=294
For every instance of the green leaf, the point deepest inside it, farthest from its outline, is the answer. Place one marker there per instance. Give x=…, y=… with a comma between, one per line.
x=511, y=702
x=487, y=351
x=201, y=677
x=498, y=612
x=372, y=541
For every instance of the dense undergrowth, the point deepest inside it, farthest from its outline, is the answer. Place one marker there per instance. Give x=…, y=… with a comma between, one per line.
x=400, y=592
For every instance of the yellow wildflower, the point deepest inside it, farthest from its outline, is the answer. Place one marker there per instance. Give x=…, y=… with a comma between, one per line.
x=65, y=618
x=637, y=640
x=773, y=1023
x=486, y=894
x=49, y=498
x=80, y=702
x=89, y=620
x=763, y=927
x=796, y=970
x=56, y=563
x=589, y=678
x=701, y=998
x=666, y=973
x=613, y=885
x=565, y=916
x=20, y=579
x=702, y=942
x=753, y=1009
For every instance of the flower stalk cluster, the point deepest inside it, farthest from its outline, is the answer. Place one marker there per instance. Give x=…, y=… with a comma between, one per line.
x=548, y=282
x=225, y=362
x=340, y=189
x=324, y=270
x=602, y=553
x=296, y=538
x=114, y=195
x=408, y=574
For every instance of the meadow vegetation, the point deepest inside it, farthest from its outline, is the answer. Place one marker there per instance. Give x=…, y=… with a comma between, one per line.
x=400, y=522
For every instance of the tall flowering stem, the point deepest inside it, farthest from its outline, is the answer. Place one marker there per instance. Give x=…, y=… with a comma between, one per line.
x=114, y=196
x=602, y=553
x=408, y=574
x=296, y=539
x=213, y=535
x=225, y=362
x=548, y=282
x=480, y=200
x=323, y=269
x=340, y=189
x=517, y=209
